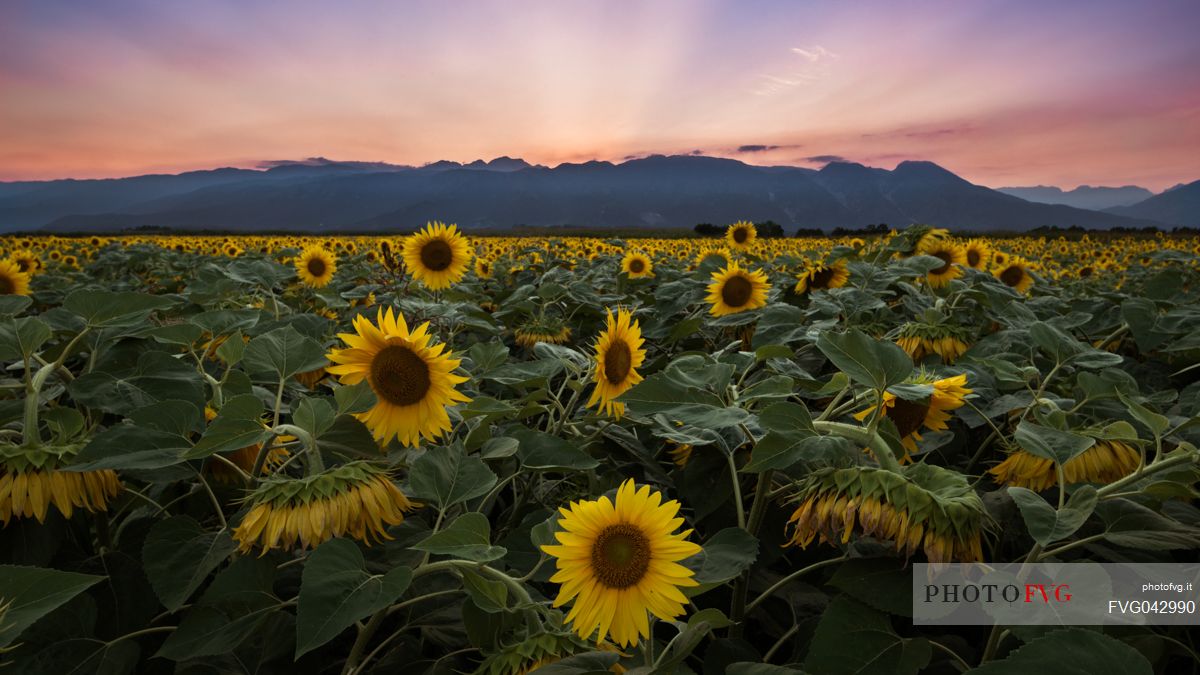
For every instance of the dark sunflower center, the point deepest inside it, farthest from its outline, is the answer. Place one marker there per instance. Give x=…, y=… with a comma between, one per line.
x=23, y=264
x=973, y=258
x=620, y=556
x=1011, y=276
x=947, y=261
x=637, y=266
x=617, y=362
x=399, y=376
x=907, y=415
x=316, y=267
x=1085, y=272
x=6, y=285
x=821, y=278
x=436, y=255
x=737, y=291
x=740, y=235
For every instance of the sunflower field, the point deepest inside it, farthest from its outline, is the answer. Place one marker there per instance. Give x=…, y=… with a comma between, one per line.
x=438, y=453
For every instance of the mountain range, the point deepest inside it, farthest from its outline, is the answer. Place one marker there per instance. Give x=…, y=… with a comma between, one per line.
x=652, y=192
x=1082, y=197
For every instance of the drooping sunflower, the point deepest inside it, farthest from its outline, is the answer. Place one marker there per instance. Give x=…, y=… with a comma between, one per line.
x=315, y=266
x=920, y=339
x=355, y=499
x=619, y=353
x=933, y=413
x=741, y=235
x=437, y=256
x=12, y=280
x=680, y=454
x=979, y=254
x=734, y=290
x=542, y=329
x=32, y=480
x=822, y=277
x=927, y=508
x=1105, y=462
x=1014, y=274
x=952, y=255
x=637, y=265
x=618, y=561
x=412, y=379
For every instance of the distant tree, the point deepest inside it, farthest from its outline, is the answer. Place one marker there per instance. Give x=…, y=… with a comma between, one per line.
x=810, y=232
x=708, y=230
x=769, y=229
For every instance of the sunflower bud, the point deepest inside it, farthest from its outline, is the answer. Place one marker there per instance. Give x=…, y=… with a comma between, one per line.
x=926, y=508
x=357, y=499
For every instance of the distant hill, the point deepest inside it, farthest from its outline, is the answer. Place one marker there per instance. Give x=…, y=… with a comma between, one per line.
x=1178, y=206
x=1082, y=197
x=651, y=192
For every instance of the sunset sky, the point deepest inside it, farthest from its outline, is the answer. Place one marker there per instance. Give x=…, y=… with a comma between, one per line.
x=1002, y=92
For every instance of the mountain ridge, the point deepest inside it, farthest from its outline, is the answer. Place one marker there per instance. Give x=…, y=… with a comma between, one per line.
x=656, y=191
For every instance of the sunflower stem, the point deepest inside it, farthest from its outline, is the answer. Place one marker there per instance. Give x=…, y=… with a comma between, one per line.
x=762, y=495
x=312, y=454
x=30, y=435
x=737, y=490
x=879, y=447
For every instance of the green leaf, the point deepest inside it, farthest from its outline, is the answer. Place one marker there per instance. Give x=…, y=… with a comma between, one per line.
x=354, y=398
x=114, y=309
x=853, y=638
x=1134, y=526
x=34, y=592
x=156, y=377
x=128, y=447
x=698, y=625
x=173, y=417
x=726, y=555
x=231, y=609
x=1072, y=651
x=314, y=415
x=752, y=668
x=883, y=583
x=874, y=363
x=447, y=476
x=237, y=425
x=678, y=398
x=1054, y=342
x=489, y=595
x=468, y=537
x=336, y=591
x=1050, y=443
x=1045, y=524
x=1153, y=421
x=774, y=387
x=538, y=450
x=178, y=556
x=284, y=352
x=232, y=349
x=14, y=304
x=20, y=338
x=588, y=663
x=183, y=334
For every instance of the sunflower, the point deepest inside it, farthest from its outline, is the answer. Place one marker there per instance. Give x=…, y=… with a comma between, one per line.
x=315, y=266
x=822, y=277
x=1014, y=273
x=12, y=280
x=32, y=480
x=741, y=235
x=483, y=267
x=920, y=339
x=1105, y=462
x=637, y=266
x=979, y=254
x=27, y=261
x=734, y=290
x=542, y=329
x=437, y=256
x=952, y=255
x=412, y=380
x=909, y=416
x=619, y=560
x=618, y=354
x=680, y=454
x=926, y=507
x=355, y=499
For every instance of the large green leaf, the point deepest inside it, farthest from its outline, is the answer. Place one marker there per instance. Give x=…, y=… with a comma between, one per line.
x=156, y=377
x=129, y=447
x=178, y=556
x=1044, y=522
x=447, y=476
x=468, y=537
x=336, y=591
x=726, y=555
x=283, y=352
x=1072, y=651
x=539, y=450
x=235, y=604
x=21, y=337
x=874, y=363
x=854, y=639
x=114, y=309
x=33, y=592
x=1055, y=444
